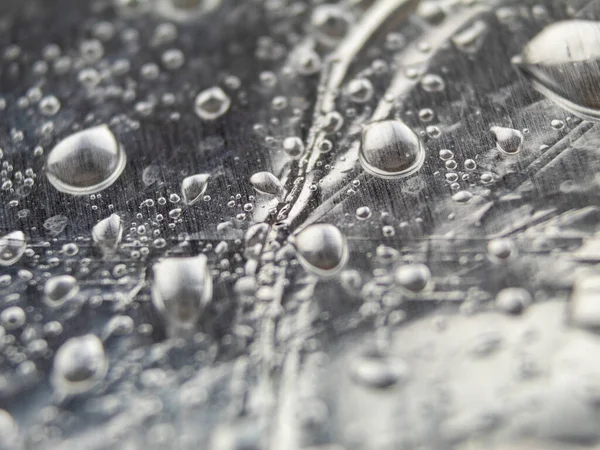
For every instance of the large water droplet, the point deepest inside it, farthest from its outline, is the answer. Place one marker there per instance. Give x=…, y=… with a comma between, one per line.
x=322, y=249
x=79, y=365
x=59, y=289
x=390, y=149
x=508, y=140
x=107, y=233
x=86, y=162
x=182, y=289
x=12, y=247
x=193, y=188
x=267, y=183
x=563, y=63
x=212, y=103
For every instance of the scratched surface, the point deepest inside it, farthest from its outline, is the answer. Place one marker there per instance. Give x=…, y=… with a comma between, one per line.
x=452, y=304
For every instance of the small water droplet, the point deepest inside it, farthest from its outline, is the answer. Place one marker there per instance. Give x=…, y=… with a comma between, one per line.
x=414, y=277
x=322, y=249
x=508, y=140
x=267, y=183
x=513, y=300
x=12, y=247
x=293, y=146
x=182, y=289
x=212, y=103
x=79, y=365
x=462, y=197
x=390, y=149
x=374, y=369
x=59, y=289
x=108, y=232
x=193, y=188
x=86, y=162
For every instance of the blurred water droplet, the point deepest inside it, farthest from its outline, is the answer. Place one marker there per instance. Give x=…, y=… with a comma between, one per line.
x=376, y=370
x=293, y=146
x=12, y=247
x=500, y=248
x=322, y=249
x=513, y=300
x=330, y=23
x=267, y=183
x=79, y=365
x=462, y=197
x=193, y=188
x=390, y=149
x=212, y=103
x=568, y=73
x=182, y=289
x=59, y=289
x=86, y=162
x=108, y=232
x=414, y=277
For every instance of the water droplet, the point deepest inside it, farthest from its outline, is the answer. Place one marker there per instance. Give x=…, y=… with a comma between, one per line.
x=193, y=188
x=330, y=23
x=12, y=318
x=79, y=365
x=59, y=289
x=322, y=249
x=390, y=149
x=293, y=146
x=462, y=197
x=12, y=247
x=376, y=370
x=513, y=300
x=500, y=248
x=182, y=289
x=567, y=73
x=108, y=232
x=363, y=213
x=508, y=140
x=212, y=103
x=86, y=162
x=360, y=90
x=414, y=277
x=433, y=83
x=267, y=183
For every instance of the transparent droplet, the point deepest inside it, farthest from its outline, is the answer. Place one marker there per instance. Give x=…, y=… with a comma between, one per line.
x=108, y=232
x=267, y=183
x=212, y=103
x=330, y=23
x=513, y=300
x=59, y=289
x=193, y=188
x=500, y=248
x=568, y=73
x=360, y=90
x=86, y=162
x=414, y=277
x=12, y=318
x=376, y=370
x=390, y=149
x=293, y=146
x=182, y=289
x=363, y=213
x=433, y=83
x=508, y=140
x=322, y=249
x=462, y=197
x=79, y=365
x=12, y=247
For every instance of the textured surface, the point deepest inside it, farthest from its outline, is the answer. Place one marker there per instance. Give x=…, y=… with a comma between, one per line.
x=453, y=302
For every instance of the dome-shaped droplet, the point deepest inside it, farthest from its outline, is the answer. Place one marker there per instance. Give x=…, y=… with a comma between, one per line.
x=508, y=140
x=59, y=289
x=322, y=249
x=513, y=300
x=390, y=149
x=212, y=103
x=108, y=232
x=376, y=370
x=79, y=365
x=414, y=277
x=86, y=162
x=330, y=23
x=267, y=183
x=193, y=188
x=563, y=63
x=12, y=247
x=182, y=289
x=293, y=146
